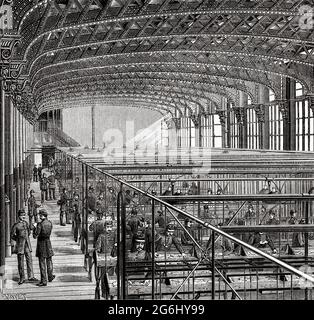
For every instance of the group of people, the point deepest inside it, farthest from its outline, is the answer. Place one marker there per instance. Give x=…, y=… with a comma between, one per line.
x=47, y=183
x=20, y=233
x=262, y=239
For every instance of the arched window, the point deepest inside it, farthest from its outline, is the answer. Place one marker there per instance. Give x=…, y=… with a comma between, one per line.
x=211, y=131
x=252, y=129
x=271, y=96
x=299, y=91
x=304, y=126
x=275, y=128
x=164, y=134
x=217, y=132
x=234, y=130
x=192, y=133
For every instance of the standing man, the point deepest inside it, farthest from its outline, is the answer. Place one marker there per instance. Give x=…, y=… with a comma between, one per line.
x=44, y=188
x=32, y=208
x=44, y=250
x=40, y=169
x=97, y=226
x=76, y=218
x=35, y=173
x=20, y=233
x=91, y=200
x=63, y=202
x=52, y=186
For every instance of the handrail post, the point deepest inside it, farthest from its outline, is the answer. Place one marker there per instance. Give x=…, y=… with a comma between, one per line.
x=86, y=209
x=306, y=243
x=213, y=265
x=123, y=229
x=153, y=249
x=7, y=226
x=118, y=247
x=121, y=261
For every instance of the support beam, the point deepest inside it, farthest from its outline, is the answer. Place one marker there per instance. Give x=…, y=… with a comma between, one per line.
x=2, y=179
x=93, y=126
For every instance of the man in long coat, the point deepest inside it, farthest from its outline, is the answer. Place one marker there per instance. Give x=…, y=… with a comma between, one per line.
x=52, y=186
x=32, y=208
x=44, y=250
x=20, y=233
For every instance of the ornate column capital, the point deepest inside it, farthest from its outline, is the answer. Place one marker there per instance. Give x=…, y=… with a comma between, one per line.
x=260, y=112
x=284, y=108
x=177, y=123
x=196, y=120
x=169, y=123
x=23, y=100
x=7, y=44
x=238, y=115
x=311, y=102
x=222, y=117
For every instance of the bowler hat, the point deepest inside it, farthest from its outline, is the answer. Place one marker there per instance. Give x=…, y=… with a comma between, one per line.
x=21, y=212
x=139, y=238
x=43, y=212
x=170, y=227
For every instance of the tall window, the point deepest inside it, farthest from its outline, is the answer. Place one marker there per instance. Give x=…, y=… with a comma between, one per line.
x=275, y=128
x=304, y=126
x=206, y=132
x=217, y=132
x=192, y=133
x=252, y=129
x=234, y=131
x=271, y=96
x=164, y=134
x=185, y=130
x=298, y=89
x=211, y=131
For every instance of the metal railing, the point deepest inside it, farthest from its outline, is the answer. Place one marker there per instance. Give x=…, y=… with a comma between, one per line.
x=116, y=188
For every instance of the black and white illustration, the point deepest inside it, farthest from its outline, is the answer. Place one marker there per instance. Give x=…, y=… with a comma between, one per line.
x=156, y=150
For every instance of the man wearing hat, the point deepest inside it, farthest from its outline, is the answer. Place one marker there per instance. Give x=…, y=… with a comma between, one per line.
x=91, y=200
x=52, y=186
x=161, y=220
x=35, y=173
x=32, y=207
x=63, y=202
x=149, y=239
x=169, y=239
x=76, y=217
x=185, y=238
x=97, y=227
x=133, y=224
x=20, y=233
x=139, y=253
x=44, y=250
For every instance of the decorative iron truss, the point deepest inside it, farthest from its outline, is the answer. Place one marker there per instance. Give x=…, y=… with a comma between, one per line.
x=205, y=47
x=175, y=90
x=12, y=81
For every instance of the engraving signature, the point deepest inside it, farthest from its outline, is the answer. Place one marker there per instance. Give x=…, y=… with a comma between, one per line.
x=12, y=296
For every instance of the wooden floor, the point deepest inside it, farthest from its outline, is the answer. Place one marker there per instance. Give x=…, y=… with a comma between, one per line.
x=71, y=282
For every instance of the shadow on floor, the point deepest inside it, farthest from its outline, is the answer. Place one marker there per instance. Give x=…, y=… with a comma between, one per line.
x=70, y=269
x=72, y=278
x=66, y=250
x=64, y=233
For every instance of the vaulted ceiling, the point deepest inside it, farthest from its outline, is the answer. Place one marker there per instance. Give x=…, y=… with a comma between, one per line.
x=175, y=53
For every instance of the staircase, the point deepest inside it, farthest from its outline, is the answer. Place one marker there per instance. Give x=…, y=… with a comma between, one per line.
x=61, y=139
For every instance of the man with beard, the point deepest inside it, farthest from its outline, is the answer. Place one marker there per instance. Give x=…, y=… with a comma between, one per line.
x=44, y=250
x=20, y=233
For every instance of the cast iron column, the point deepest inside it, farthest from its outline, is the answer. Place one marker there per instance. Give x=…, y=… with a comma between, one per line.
x=2, y=179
